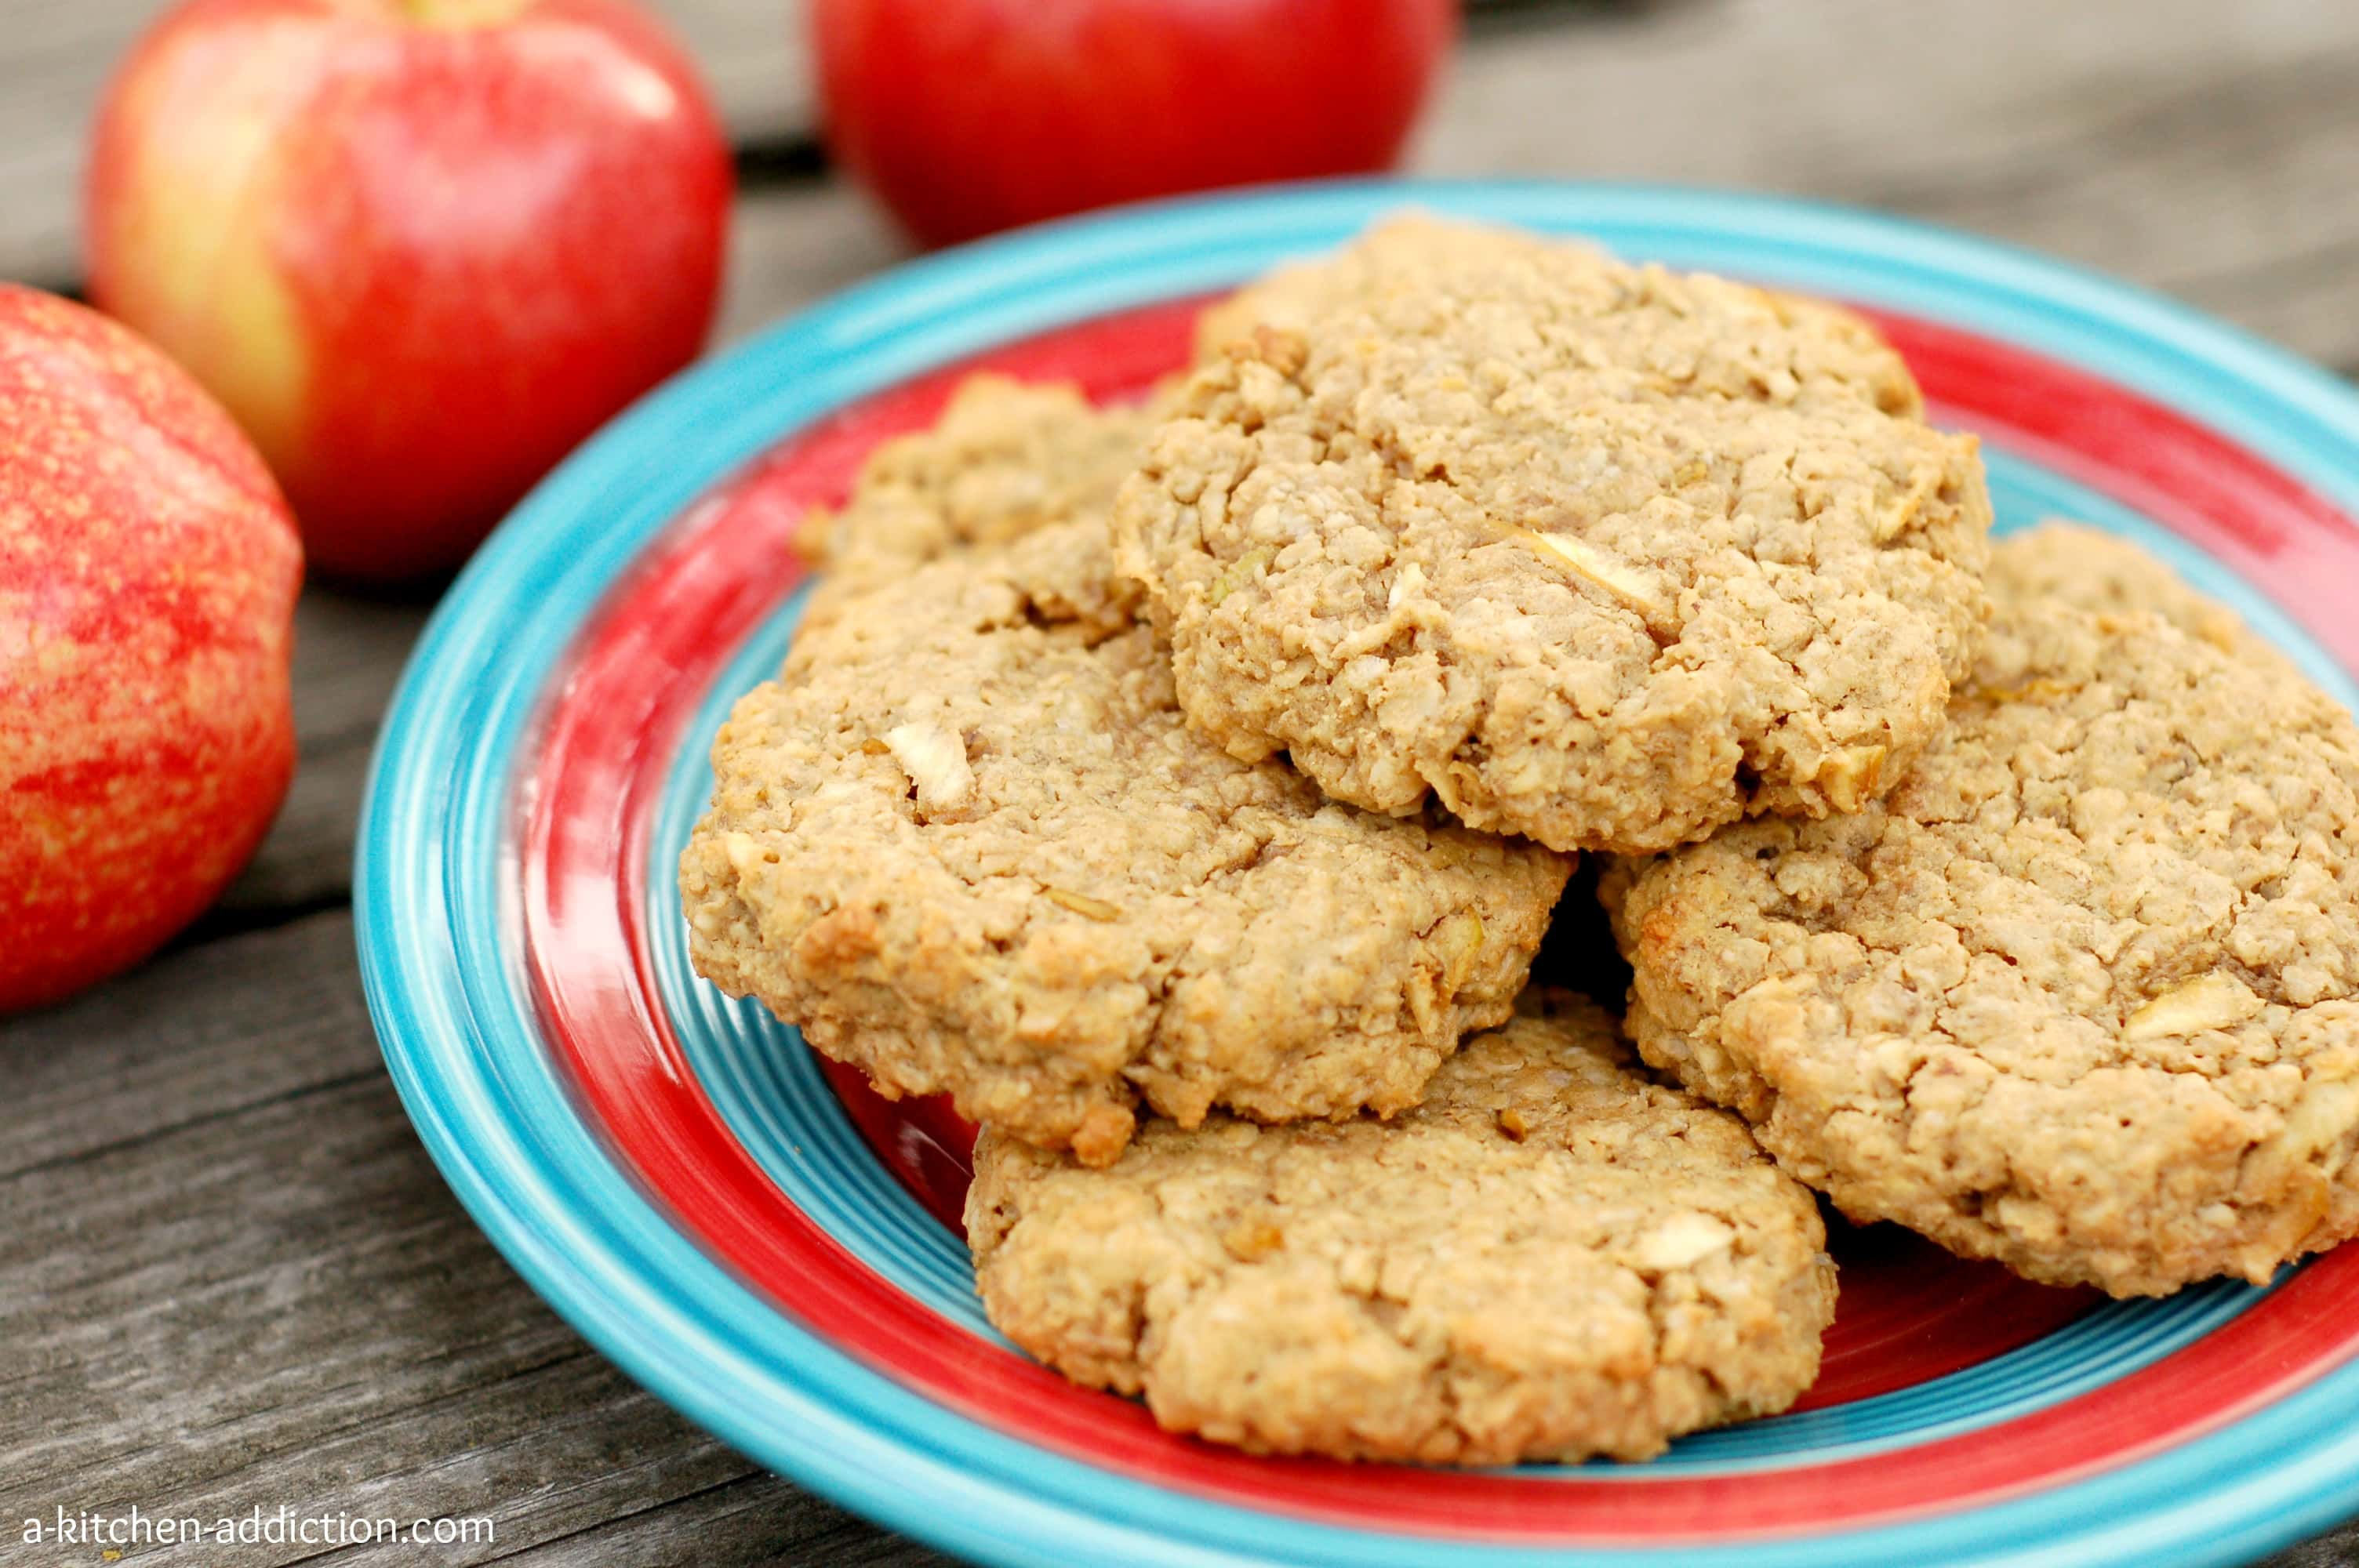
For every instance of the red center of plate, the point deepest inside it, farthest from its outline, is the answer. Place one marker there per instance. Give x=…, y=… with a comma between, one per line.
x=1908, y=1312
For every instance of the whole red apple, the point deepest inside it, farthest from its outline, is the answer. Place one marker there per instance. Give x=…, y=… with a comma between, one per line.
x=419, y=247
x=970, y=115
x=147, y=576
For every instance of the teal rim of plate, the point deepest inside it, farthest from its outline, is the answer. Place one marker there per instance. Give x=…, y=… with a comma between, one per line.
x=436, y=874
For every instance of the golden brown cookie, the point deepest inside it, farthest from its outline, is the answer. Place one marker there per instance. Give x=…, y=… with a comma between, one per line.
x=967, y=842
x=1551, y=1258
x=2108, y=574
x=2083, y=993
x=1841, y=346
x=1604, y=554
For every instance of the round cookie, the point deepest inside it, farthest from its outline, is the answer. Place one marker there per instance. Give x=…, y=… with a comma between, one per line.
x=1840, y=347
x=2108, y=574
x=967, y=842
x=1599, y=554
x=1551, y=1258
x=1006, y=458
x=2082, y=994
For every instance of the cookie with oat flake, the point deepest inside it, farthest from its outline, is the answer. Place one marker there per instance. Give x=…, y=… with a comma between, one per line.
x=2082, y=994
x=1604, y=554
x=967, y=842
x=1551, y=1258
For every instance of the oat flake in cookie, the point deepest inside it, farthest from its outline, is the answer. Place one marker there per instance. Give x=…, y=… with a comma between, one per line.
x=1551, y=1258
x=967, y=843
x=2082, y=994
x=1604, y=554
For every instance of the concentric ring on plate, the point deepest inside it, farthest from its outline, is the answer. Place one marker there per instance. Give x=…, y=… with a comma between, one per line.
x=2050, y=1416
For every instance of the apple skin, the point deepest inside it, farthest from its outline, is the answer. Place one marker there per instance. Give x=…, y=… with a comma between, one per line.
x=966, y=116
x=149, y=568
x=420, y=248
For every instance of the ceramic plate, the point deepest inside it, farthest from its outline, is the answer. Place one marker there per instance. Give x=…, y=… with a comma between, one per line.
x=773, y=1250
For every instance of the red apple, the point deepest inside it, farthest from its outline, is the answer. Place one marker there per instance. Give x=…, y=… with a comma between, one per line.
x=147, y=576
x=419, y=247
x=970, y=115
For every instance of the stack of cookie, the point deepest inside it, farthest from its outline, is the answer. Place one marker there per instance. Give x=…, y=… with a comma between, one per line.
x=1186, y=790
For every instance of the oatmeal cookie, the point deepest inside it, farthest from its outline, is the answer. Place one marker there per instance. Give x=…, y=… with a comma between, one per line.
x=2108, y=574
x=1604, y=554
x=2082, y=994
x=1551, y=1258
x=967, y=842
x=1840, y=345
x=1006, y=458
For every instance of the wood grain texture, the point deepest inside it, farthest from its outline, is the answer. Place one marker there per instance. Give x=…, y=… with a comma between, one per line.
x=234, y=1280
x=2200, y=148
x=231, y=1277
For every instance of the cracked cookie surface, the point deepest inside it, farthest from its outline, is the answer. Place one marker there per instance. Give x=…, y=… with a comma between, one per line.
x=1006, y=458
x=1551, y=1258
x=967, y=842
x=2082, y=994
x=1828, y=344
x=1604, y=554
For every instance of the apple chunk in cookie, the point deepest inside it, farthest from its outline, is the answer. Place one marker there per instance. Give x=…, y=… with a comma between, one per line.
x=2082, y=994
x=1551, y=1258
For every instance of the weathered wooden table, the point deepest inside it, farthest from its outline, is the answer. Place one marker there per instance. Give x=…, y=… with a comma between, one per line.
x=230, y=1279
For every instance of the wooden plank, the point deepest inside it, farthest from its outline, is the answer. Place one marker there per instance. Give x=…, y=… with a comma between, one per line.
x=194, y=1036
x=236, y=1281
x=756, y=59
x=756, y=1519
x=348, y=654
x=2199, y=148
x=794, y=246
x=54, y=56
